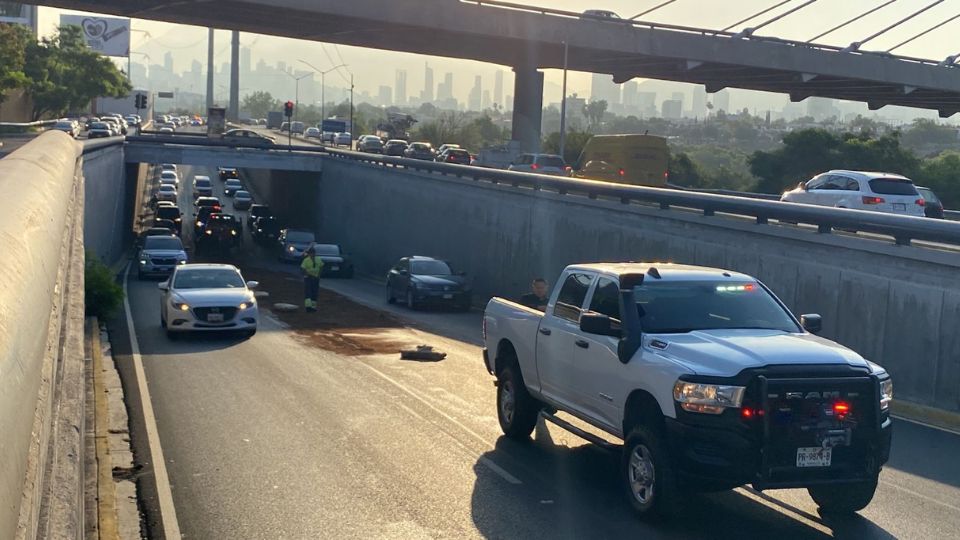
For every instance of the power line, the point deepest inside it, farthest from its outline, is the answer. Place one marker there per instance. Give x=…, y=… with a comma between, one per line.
x=755, y=15
x=753, y=29
x=651, y=10
x=857, y=18
x=921, y=34
x=857, y=44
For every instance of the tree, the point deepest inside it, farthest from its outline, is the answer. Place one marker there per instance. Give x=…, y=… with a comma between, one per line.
x=259, y=103
x=65, y=74
x=594, y=111
x=941, y=174
x=573, y=146
x=13, y=44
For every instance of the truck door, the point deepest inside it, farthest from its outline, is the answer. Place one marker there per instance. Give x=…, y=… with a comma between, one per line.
x=599, y=370
x=557, y=341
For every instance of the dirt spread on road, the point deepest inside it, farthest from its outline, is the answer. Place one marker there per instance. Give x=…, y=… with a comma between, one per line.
x=340, y=325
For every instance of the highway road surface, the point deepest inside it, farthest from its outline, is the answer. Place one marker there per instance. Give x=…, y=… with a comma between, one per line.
x=298, y=433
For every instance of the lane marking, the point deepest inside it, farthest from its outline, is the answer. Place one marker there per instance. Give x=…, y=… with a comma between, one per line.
x=921, y=495
x=483, y=459
x=168, y=513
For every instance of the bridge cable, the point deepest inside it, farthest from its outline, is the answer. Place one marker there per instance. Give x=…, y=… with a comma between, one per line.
x=855, y=19
x=921, y=34
x=654, y=8
x=857, y=44
x=753, y=29
x=755, y=15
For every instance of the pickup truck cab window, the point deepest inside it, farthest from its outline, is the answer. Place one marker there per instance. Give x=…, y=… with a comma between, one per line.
x=570, y=299
x=606, y=298
x=686, y=306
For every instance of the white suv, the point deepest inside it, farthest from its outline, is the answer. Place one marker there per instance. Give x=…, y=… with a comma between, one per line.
x=541, y=164
x=873, y=191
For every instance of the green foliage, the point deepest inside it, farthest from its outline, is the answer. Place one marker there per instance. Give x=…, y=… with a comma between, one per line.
x=259, y=103
x=102, y=294
x=594, y=111
x=810, y=151
x=573, y=146
x=454, y=127
x=65, y=74
x=13, y=44
x=925, y=135
x=710, y=167
x=942, y=175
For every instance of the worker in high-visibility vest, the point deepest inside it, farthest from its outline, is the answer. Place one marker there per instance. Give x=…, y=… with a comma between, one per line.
x=311, y=266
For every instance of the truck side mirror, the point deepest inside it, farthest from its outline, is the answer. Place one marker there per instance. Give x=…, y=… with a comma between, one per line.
x=812, y=323
x=598, y=324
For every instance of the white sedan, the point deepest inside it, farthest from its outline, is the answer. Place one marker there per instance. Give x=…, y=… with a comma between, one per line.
x=167, y=192
x=208, y=297
x=343, y=139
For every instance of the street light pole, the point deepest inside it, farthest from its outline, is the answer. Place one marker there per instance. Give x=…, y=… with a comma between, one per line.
x=563, y=103
x=323, y=86
x=352, y=129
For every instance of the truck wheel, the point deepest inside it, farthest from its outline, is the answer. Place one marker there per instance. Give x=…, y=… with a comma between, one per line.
x=647, y=475
x=843, y=499
x=517, y=410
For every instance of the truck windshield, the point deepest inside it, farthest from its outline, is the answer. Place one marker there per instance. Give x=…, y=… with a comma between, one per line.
x=678, y=307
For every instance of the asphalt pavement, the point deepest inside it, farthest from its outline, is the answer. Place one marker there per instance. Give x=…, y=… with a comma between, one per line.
x=274, y=437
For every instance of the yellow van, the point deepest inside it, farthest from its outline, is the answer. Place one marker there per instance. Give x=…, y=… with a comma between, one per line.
x=626, y=159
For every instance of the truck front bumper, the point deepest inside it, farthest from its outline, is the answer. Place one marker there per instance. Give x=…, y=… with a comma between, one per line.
x=713, y=458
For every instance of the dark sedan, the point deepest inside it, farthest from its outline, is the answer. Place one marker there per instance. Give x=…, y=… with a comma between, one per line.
x=420, y=150
x=335, y=262
x=454, y=155
x=424, y=281
x=394, y=147
x=932, y=207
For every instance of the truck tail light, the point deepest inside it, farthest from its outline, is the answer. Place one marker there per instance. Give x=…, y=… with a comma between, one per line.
x=841, y=409
x=873, y=200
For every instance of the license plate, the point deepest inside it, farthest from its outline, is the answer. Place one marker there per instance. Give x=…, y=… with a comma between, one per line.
x=334, y=268
x=218, y=317
x=447, y=296
x=814, y=456
x=900, y=206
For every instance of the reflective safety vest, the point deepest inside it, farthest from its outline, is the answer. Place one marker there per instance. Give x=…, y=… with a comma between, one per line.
x=312, y=266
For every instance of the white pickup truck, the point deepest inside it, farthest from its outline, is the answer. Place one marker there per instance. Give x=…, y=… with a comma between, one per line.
x=705, y=375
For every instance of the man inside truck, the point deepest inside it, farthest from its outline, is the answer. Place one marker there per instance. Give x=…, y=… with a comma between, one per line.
x=538, y=296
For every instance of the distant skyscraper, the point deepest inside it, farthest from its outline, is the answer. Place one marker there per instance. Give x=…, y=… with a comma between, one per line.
x=385, y=96
x=631, y=97
x=447, y=87
x=473, y=103
x=681, y=97
x=647, y=103
x=427, y=94
x=282, y=66
x=602, y=87
x=498, y=88
x=485, y=102
x=400, y=88
x=245, y=62
x=672, y=109
x=699, y=102
x=821, y=108
x=721, y=101
x=168, y=62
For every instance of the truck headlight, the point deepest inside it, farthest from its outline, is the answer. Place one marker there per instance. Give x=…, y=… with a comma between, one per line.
x=707, y=398
x=886, y=394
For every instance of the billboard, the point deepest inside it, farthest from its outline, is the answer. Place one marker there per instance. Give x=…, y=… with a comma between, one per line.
x=17, y=12
x=108, y=36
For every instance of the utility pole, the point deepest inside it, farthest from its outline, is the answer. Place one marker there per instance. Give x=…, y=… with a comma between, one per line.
x=209, y=68
x=234, y=111
x=352, y=128
x=563, y=103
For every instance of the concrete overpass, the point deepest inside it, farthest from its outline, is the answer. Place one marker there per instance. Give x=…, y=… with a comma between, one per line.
x=529, y=39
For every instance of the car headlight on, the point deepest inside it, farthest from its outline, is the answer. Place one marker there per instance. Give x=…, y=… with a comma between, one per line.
x=182, y=261
x=259, y=230
x=233, y=232
x=210, y=232
x=291, y=249
x=707, y=398
x=143, y=261
x=886, y=394
x=199, y=224
x=181, y=306
x=247, y=305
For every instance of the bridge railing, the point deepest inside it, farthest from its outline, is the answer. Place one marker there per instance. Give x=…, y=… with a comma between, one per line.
x=702, y=31
x=902, y=229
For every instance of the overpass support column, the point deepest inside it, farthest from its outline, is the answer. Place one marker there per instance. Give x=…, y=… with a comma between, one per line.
x=527, y=107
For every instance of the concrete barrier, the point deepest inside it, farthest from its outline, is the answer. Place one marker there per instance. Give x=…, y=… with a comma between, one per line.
x=107, y=220
x=41, y=306
x=897, y=305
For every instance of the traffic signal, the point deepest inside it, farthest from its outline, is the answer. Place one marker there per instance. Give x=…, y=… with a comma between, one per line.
x=141, y=101
x=288, y=109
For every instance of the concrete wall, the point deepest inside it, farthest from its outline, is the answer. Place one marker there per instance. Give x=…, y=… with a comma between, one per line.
x=107, y=195
x=898, y=306
x=41, y=308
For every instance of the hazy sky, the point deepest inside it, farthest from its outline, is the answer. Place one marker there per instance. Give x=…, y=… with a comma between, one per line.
x=188, y=42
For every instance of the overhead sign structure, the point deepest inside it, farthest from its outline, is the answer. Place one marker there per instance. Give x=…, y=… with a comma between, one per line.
x=18, y=13
x=109, y=36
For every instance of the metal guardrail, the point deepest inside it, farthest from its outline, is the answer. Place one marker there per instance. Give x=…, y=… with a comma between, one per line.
x=702, y=31
x=25, y=125
x=92, y=145
x=952, y=215
x=903, y=229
